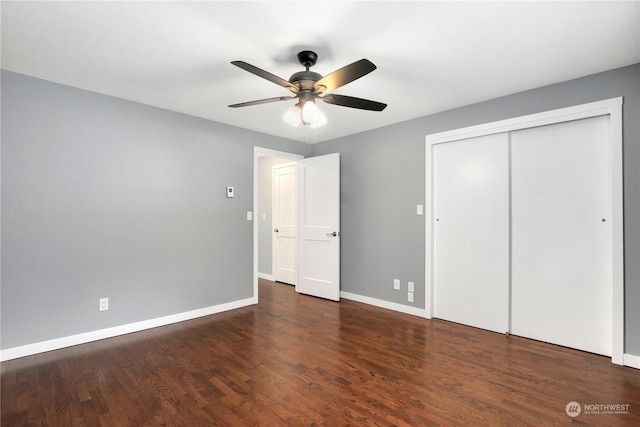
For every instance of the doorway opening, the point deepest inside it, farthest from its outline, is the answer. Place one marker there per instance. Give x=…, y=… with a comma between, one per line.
x=317, y=223
x=263, y=161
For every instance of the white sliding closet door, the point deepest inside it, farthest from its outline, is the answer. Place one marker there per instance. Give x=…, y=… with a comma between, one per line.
x=471, y=231
x=561, y=235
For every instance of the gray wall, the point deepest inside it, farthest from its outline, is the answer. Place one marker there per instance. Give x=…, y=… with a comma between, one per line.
x=107, y=198
x=103, y=197
x=383, y=179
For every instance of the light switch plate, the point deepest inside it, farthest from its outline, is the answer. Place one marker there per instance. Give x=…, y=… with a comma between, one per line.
x=419, y=210
x=230, y=192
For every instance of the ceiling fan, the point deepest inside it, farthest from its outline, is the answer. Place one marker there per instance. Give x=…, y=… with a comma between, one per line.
x=307, y=86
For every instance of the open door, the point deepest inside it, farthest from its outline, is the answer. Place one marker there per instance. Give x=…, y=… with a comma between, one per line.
x=319, y=226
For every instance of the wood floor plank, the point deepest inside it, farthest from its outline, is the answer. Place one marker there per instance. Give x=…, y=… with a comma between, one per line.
x=301, y=361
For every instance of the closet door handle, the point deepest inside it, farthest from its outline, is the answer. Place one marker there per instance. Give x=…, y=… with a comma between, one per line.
x=276, y=230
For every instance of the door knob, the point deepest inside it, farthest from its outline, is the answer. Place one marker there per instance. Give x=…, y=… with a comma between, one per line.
x=334, y=234
x=276, y=230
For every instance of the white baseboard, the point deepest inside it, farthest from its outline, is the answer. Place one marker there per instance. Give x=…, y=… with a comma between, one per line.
x=58, y=343
x=631, y=361
x=420, y=312
x=69, y=341
x=266, y=276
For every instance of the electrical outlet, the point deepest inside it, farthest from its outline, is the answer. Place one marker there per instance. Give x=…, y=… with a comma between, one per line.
x=396, y=284
x=104, y=304
x=410, y=296
x=411, y=287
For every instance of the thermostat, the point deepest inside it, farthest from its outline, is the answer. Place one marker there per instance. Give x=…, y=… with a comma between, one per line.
x=229, y=191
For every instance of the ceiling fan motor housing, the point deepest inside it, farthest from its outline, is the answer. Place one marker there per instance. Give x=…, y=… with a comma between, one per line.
x=305, y=78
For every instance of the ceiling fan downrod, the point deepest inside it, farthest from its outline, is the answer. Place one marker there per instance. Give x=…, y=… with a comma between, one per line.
x=305, y=80
x=307, y=58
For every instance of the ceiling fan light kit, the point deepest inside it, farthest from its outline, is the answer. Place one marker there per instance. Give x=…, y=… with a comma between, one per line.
x=308, y=86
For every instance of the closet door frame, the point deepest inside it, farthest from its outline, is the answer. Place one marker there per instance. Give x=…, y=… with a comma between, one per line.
x=609, y=107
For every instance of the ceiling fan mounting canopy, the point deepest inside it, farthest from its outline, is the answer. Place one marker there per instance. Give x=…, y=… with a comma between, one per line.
x=308, y=85
x=307, y=58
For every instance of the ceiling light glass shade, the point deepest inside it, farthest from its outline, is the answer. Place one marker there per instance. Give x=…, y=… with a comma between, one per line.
x=292, y=116
x=320, y=120
x=309, y=112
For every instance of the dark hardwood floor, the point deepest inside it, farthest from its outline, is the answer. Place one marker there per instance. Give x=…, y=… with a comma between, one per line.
x=297, y=360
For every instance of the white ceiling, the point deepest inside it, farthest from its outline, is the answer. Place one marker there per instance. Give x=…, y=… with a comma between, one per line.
x=431, y=56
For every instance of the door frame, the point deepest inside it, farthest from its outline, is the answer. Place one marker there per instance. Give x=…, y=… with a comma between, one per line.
x=611, y=107
x=259, y=152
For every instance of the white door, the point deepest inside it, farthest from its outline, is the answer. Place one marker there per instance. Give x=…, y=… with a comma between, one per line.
x=471, y=231
x=561, y=225
x=285, y=222
x=319, y=226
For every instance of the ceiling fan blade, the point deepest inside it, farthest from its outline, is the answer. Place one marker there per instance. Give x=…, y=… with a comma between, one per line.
x=350, y=101
x=263, y=101
x=265, y=75
x=344, y=75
